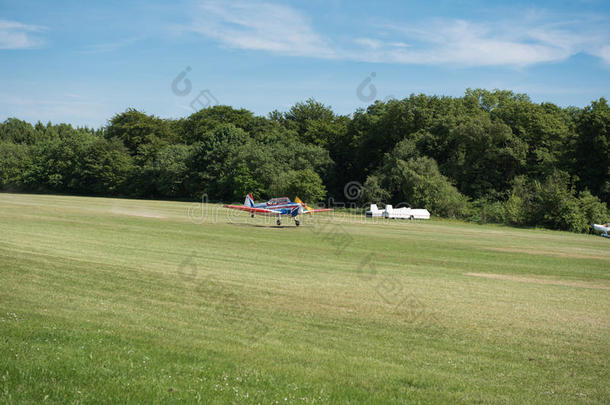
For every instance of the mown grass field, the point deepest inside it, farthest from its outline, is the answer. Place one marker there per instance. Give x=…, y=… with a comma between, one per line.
x=124, y=301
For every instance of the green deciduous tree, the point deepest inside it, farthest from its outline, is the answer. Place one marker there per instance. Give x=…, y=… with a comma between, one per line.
x=142, y=134
x=14, y=130
x=592, y=149
x=417, y=181
x=484, y=157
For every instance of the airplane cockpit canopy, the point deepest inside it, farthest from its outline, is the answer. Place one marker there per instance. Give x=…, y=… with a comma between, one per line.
x=277, y=201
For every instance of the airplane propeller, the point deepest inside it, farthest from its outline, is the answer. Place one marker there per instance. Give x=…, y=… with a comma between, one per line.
x=298, y=200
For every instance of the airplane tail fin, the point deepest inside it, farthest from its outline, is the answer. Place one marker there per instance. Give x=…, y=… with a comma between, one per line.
x=249, y=201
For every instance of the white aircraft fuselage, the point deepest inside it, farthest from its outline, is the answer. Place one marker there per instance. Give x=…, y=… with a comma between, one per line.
x=603, y=229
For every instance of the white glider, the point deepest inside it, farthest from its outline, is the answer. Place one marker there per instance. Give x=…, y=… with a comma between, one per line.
x=602, y=229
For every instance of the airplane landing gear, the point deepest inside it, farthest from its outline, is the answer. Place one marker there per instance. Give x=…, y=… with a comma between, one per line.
x=251, y=215
x=296, y=222
x=278, y=222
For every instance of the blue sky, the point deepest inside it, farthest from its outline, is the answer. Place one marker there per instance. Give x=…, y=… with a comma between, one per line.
x=81, y=62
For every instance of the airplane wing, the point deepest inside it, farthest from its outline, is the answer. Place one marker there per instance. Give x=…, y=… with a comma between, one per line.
x=320, y=210
x=249, y=209
x=307, y=209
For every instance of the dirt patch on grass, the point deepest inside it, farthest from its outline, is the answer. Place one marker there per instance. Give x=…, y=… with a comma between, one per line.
x=572, y=255
x=137, y=213
x=537, y=280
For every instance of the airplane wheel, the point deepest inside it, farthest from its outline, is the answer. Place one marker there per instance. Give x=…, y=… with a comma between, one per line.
x=296, y=222
x=279, y=222
x=251, y=215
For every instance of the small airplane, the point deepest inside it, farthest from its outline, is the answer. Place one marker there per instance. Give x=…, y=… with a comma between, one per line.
x=603, y=229
x=276, y=207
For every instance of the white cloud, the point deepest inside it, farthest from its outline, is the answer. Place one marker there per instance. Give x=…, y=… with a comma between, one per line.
x=280, y=29
x=70, y=108
x=15, y=35
x=604, y=54
x=260, y=26
x=465, y=43
x=112, y=45
x=369, y=43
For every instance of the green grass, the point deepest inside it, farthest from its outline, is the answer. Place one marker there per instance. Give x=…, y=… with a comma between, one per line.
x=115, y=301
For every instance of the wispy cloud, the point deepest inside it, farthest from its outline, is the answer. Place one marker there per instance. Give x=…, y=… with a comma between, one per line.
x=281, y=29
x=604, y=54
x=112, y=46
x=466, y=43
x=72, y=108
x=15, y=35
x=260, y=26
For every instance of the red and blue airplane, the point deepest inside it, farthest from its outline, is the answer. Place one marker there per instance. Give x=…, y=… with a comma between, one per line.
x=276, y=207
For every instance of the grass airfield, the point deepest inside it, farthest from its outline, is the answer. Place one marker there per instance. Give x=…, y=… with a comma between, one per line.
x=128, y=301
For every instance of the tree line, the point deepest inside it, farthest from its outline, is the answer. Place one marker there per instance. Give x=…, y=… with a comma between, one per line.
x=488, y=156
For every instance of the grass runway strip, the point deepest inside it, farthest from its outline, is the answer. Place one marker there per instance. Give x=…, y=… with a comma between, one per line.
x=128, y=301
